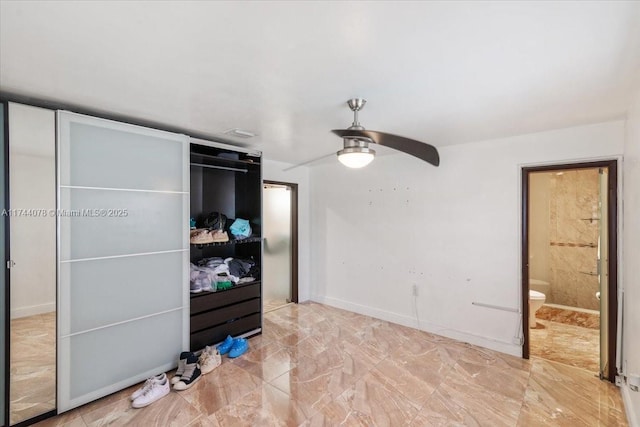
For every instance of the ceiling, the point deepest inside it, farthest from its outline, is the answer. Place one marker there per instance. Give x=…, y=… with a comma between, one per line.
x=440, y=72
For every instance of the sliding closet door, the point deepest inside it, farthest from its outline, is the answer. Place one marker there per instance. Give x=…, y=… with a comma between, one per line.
x=123, y=194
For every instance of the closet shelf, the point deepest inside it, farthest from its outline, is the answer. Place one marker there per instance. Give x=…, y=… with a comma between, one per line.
x=218, y=160
x=230, y=242
x=241, y=285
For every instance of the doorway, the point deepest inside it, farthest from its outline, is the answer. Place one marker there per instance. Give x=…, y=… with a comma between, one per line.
x=280, y=263
x=569, y=268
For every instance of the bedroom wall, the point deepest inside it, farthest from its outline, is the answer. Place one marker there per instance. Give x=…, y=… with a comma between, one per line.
x=631, y=255
x=452, y=231
x=273, y=170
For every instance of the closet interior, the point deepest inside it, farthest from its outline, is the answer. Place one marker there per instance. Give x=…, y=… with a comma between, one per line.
x=226, y=184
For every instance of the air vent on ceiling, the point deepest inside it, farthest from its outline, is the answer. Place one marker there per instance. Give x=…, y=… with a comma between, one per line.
x=239, y=133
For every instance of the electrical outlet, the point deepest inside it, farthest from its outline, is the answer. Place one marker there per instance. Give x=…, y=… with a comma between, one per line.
x=414, y=290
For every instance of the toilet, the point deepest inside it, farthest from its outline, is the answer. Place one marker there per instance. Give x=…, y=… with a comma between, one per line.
x=538, y=289
x=536, y=299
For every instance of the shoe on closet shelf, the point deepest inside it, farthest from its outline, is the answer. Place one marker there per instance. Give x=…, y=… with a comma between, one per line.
x=239, y=347
x=226, y=345
x=201, y=236
x=156, y=391
x=182, y=363
x=195, y=287
x=190, y=375
x=219, y=236
x=147, y=385
x=209, y=359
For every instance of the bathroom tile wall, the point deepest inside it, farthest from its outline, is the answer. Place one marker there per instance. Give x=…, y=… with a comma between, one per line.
x=573, y=239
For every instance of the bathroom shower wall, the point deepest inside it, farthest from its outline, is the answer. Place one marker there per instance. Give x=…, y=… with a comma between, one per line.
x=539, y=259
x=573, y=245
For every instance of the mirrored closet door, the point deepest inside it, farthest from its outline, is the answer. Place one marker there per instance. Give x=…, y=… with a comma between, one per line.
x=32, y=262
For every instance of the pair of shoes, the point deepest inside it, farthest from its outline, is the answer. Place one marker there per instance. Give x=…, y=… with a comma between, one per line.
x=202, y=236
x=239, y=347
x=209, y=359
x=188, y=371
x=153, y=389
x=234, y=346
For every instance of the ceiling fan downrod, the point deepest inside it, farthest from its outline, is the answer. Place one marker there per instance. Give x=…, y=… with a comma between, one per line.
x=356, y=104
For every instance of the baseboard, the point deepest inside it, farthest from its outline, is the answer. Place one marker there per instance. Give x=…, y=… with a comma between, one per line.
x=32, y=310
x=632, y=417
x=400, y=319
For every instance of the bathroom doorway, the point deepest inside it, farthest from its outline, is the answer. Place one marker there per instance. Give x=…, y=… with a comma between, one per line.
x=569, y=268
x=280, y=266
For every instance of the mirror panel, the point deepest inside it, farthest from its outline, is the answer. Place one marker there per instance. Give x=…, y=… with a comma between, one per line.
x=32, y=197
x=3, y=284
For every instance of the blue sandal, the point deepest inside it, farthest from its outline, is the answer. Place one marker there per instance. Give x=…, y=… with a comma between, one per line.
x=239, y=347
x=226, y=345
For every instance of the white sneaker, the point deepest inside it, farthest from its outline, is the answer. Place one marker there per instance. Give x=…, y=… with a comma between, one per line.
x=147, y=385
x=158, y=390
x=209, y=359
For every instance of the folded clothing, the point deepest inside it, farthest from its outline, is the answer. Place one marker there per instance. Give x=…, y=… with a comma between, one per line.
x=241, y=229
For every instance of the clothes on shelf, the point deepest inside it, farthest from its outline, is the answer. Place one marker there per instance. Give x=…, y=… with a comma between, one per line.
x=216, y=273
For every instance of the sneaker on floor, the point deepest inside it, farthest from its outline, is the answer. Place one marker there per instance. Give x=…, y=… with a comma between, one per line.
x=147, y=385
x=182, y=362
x=239, y=347
x=158, y=390
x=226, y=345
x=209, y=359
x=190, y=375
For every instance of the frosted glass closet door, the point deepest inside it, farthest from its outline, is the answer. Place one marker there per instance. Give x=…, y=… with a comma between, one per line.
x=123, y=297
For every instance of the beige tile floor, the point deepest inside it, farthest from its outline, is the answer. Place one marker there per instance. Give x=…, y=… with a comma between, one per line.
x=273, y=304
x=315, y=365
x=569, y=344
x=32, y=366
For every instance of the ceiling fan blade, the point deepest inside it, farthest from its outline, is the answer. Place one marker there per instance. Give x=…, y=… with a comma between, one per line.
x=308, y=161
x=421, y=150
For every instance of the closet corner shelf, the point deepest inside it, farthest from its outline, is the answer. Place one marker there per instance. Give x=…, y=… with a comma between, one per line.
x=230, y=242
x=240, y=285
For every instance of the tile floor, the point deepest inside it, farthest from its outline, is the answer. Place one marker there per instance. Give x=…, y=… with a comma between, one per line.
x=315, y=365
x=562, y=340
x=32, y=366
x=273, y=304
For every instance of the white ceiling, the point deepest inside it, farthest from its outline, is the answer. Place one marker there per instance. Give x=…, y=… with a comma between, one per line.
x=441, y=72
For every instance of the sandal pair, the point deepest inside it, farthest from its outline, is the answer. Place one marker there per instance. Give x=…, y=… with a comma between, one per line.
x=234, y=347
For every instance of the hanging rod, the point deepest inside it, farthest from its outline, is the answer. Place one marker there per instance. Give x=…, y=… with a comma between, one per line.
x=226, y=168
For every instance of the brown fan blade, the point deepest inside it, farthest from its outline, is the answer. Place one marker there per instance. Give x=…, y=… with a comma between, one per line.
x=421, y=150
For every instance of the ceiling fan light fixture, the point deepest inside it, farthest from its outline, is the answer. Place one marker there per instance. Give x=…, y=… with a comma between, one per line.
x=356, y=157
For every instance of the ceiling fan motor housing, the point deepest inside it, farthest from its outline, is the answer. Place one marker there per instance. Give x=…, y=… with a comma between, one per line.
x=356, y=145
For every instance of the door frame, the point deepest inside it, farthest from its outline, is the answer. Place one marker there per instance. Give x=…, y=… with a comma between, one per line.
x=294, y=233
x=612, y=252
x=7, y=273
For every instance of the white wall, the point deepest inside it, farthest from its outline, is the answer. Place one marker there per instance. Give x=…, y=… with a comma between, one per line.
x=454, y=231
x=272, y=170
x=631, y=256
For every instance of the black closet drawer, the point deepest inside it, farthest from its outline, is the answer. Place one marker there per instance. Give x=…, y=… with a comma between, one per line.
x=213, y=300
x=219, y=333
x=224, y=314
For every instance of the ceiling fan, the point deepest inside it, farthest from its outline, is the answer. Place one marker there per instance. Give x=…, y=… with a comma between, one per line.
x=356, y=139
